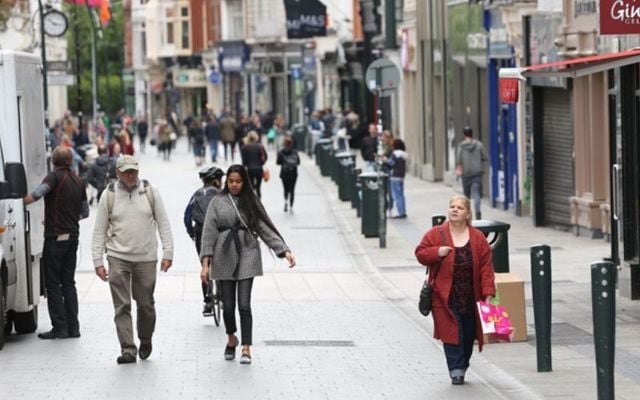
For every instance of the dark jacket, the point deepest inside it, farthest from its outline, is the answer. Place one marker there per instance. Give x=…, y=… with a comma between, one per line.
x=445, y=326
x=63, y=203
x=289, y=160
x=369, y=148
x=212, y=131
x=254, y=156
x=102, y=172
x=398, y=164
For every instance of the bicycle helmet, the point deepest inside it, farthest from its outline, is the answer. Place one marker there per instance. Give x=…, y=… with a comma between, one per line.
x=211, y=173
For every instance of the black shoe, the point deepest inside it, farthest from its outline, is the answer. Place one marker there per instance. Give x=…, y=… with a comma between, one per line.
x=53, y=335
x=74, y=334
x=126, y=358
x=230, y=351
x=457, y=380
x=207, y=310
x=145, y=350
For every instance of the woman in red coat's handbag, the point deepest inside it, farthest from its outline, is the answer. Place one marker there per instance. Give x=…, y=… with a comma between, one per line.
x=461, y=272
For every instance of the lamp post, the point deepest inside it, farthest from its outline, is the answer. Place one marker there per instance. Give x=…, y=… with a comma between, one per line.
x=94, y=83
x=45, y=88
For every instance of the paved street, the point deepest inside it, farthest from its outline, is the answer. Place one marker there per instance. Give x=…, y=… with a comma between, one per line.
x=342, y=325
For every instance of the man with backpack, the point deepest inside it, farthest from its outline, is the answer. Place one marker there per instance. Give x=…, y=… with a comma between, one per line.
x=127, y=219
x=102, y=172
x=194, y=219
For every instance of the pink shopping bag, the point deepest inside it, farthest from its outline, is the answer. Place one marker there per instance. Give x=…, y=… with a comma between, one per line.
x=495, y=321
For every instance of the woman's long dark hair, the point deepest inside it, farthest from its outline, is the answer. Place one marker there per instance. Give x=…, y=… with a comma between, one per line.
x=248, y=202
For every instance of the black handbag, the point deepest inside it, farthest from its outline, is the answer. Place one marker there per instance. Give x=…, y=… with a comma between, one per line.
x=426, y=293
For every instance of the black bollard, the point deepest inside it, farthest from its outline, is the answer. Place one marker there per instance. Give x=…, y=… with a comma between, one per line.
x=541, y=290
x=603, y=297
x=438, y=219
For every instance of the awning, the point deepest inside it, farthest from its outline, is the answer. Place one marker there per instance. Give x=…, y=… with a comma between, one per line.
x=576, y=67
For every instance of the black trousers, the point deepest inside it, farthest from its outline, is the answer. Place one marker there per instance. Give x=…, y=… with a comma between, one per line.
x=255, y=176
x=228, y=289
x=289, y=184
x=62, y=298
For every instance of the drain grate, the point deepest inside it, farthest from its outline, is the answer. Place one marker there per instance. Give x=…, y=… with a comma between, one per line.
x=311, y=343
x=565, y=334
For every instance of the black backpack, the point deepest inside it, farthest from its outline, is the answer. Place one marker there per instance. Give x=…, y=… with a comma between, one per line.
x=289, y=162
x=201, y=199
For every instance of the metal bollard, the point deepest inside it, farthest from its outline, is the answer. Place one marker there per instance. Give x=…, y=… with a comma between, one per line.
x=541, y=290
x=603, y=297
x=438, y=219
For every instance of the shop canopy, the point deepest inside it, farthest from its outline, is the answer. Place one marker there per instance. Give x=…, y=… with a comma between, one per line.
x=573, y=68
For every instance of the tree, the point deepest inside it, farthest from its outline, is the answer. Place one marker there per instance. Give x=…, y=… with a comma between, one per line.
x=109, y=59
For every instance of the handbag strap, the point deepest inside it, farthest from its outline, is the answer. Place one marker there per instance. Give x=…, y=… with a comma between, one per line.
x=443, y=238
x=235, y=207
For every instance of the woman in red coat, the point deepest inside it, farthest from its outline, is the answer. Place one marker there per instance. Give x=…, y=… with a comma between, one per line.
x=461, y=271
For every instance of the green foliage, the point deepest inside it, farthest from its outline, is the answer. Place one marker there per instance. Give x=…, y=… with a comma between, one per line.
x=109, y=58
x=463, y=20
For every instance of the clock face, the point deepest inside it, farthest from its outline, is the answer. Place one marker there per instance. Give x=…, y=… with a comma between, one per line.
x=55, y=23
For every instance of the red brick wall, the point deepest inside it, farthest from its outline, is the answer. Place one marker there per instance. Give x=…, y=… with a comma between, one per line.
x=197, y=30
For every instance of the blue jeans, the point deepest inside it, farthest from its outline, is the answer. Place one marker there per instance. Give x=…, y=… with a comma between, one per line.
x=472, y=187
x=458, y=355
x=213, y=147
x=397, y=191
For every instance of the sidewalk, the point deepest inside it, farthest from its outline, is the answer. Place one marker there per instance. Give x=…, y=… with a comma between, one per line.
x=511, y=368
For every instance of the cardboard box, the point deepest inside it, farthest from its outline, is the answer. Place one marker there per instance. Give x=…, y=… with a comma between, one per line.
x=511, y=289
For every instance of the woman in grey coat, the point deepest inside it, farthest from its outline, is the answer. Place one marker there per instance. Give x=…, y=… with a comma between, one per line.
x=231, y=254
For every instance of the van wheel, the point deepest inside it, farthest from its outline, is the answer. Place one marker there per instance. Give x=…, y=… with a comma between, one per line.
x=2, y=315
x=26, y=322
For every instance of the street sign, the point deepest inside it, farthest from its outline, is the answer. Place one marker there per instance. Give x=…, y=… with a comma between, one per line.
x=382, y=77
x=59, y=66
x=61, y=80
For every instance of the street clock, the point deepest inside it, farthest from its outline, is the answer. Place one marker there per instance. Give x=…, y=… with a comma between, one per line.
x=55, y=23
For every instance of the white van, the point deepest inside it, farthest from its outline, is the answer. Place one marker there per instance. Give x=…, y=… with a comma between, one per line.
x=24, y=165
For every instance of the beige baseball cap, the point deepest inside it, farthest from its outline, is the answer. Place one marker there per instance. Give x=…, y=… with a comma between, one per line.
x=126, y=163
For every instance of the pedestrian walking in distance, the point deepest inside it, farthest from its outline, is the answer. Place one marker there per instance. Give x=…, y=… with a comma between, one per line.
x=398, y=164
x=65, y=203
x=461, y=272
x=194, y=219
x=254, y=156
x=470, y=159
x=288, y=160
x=128, y=216
x=231, y=256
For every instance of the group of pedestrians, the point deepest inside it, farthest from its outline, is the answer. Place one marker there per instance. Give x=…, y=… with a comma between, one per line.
x=226, y=218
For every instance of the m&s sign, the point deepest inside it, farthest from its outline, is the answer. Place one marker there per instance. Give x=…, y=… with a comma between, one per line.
x=619, y=17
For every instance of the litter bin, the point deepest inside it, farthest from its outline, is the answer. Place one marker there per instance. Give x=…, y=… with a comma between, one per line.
x=497, y=234
x=345, y=161
x=355, y=188
x=323, y=147
x=299, y=136
x=370, y=185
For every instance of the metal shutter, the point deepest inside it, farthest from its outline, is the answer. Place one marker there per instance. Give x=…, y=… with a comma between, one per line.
x=557, y=139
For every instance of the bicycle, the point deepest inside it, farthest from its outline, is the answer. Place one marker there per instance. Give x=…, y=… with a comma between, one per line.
x=213, y=293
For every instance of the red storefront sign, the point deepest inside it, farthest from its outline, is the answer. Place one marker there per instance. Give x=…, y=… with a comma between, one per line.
x=619, y=17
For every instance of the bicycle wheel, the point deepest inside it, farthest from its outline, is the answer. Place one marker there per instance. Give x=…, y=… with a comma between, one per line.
x=217, y=304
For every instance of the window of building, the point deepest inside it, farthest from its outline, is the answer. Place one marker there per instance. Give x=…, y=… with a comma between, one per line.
x=170, y=32
x=185, y=34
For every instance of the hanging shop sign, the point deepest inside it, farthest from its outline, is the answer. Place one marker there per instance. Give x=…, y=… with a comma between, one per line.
x=408, y=50
x=305, y=19
x=232, y=56
x=189, y=78
x=619, y=17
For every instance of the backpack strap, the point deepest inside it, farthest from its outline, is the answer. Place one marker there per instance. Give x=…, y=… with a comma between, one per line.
x=148, y=191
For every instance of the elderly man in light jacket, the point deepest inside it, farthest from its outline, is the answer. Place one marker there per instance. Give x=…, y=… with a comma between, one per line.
x=126, y=223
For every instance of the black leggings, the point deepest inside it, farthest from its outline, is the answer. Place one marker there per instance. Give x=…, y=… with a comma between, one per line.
x=244, y=307
x=289, y=184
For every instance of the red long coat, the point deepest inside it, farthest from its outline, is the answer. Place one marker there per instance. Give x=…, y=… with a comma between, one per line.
x=445, y=326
